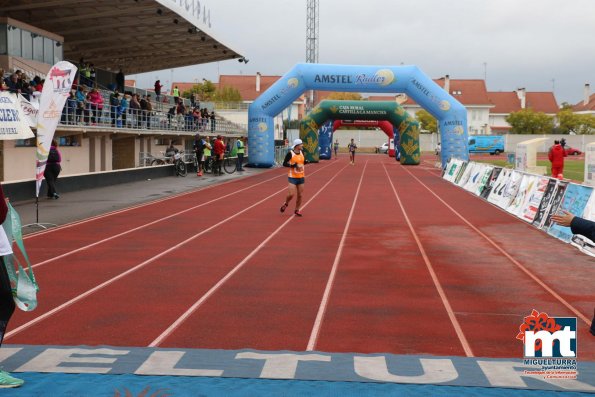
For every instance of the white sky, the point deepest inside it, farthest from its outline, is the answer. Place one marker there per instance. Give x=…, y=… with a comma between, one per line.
x=525, y=43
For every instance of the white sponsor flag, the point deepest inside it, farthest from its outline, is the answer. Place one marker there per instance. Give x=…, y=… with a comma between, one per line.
x=56, y=89
x=12, y=121
x=29, y=111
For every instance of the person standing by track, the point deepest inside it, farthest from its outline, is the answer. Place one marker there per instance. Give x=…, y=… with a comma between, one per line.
x=295, y=161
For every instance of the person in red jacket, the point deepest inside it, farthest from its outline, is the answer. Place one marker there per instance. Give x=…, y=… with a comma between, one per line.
x=219, y=151
x=556, y=156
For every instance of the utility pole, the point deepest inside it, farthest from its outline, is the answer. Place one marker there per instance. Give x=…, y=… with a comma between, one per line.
x=312, y=29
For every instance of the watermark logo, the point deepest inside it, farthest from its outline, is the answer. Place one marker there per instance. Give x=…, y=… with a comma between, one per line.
x=550, y=343
x=262, y=127
x=293, y=82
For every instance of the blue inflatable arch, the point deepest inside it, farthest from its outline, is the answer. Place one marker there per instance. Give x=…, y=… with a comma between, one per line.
x=451, y=115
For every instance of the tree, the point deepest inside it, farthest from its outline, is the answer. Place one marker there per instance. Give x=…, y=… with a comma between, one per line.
x=203, y=91
x=527, y=121
x=428, y=124
x=579, y=124
x=345, y=96
x=227, y=94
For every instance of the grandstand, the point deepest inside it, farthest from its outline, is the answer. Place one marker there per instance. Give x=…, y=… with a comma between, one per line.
x=133, y=36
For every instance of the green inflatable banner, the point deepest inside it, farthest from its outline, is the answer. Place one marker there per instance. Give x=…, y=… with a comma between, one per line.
x=362, y=110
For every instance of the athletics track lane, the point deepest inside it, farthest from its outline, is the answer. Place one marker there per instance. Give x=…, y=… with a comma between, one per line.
x=489, y=293
x=46, y=245
x=75, y=274
x=383, y=299
x=271, y=302
x=133, y=310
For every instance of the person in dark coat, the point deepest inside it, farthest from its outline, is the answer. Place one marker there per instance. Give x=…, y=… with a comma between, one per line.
x=52, y=170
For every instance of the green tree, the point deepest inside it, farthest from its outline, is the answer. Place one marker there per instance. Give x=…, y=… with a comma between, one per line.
x=527, y=121
x=227, y=94
x=345, y=96
x=428, y=123
x=579, y=124
x=204, y=91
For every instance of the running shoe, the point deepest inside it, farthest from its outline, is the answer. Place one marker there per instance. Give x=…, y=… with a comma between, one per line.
x=298, y=213
x=7, y=381
x=283, y=207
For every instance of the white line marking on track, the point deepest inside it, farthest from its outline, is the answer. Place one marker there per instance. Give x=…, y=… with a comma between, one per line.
x=507, y=255
x=233, y=271
x=137, y=267
x=147, y=224
x=445, y=302
x=331, y=280
x=116, y=212
x=131, y=270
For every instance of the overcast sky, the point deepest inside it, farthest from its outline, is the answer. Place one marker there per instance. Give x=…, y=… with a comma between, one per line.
x=537, y=44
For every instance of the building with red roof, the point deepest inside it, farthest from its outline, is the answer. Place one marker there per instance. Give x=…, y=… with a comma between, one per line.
x=514, y=101
x=587, y=105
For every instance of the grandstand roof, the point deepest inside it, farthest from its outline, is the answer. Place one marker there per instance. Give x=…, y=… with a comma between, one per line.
x=137, y=35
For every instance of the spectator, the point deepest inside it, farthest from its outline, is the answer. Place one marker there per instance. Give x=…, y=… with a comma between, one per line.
x=213, y=121
x=96, y=102
x=171, y=113
x=149, y=111
x=438, y=149
x=13, y=84
x=563, y=143
x=52, y=170
x=143, y=109
x=114, y=102
x=158, y=87
x=336, y=148
x=124, y=105
x=556, y=155
x=120, y=81
x=92, y=75
x=219, y=150
x=171, y=151
x=176, y=93
x=192, y=99
x=135, y=110
x=240, y=152
x=70, y=109
x=82, y=114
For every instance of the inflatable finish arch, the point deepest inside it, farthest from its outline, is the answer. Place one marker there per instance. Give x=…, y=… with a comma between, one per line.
x=451, y=115
x=362, y=110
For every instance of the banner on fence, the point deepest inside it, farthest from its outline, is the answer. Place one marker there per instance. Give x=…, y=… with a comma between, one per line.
x=575, y=201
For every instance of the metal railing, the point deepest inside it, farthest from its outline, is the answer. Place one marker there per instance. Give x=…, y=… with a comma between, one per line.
x=93, y=115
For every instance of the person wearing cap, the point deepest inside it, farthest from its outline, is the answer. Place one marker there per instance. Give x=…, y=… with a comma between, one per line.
x=295, y=161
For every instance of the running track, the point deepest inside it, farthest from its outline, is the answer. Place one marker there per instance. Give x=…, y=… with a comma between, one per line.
x=386, y=259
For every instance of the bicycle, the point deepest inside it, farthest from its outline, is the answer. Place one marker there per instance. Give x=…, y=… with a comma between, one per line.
x=177, y=160
x=229, y=164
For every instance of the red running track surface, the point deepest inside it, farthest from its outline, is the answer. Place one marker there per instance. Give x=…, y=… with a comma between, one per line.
x=386, y=259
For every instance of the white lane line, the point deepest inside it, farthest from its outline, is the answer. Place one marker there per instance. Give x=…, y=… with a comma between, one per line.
x=331, y=280
x=133, y=207
x=507, y=255
x=445, y=302
x=223, y=280
x=135, y=268
x=147, y=224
